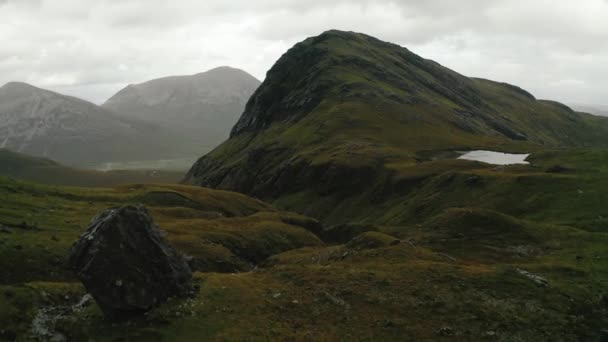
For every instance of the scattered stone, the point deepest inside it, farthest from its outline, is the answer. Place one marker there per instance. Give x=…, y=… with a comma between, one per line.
x=337, y=301
x=295, y=301
x=387, y=323
x=126, y=265
x=44, y=323
x=473, y=180
x=490, y=333
x=446, y=331
x=540, y=281
x=276, y=295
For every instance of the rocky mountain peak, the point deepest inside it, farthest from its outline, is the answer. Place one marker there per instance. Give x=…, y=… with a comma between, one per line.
x=339, y=64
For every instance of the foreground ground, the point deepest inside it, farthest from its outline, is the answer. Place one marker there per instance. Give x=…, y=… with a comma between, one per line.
x=473, y=252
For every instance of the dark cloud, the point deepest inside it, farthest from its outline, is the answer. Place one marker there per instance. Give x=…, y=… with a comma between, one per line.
x=91, y=49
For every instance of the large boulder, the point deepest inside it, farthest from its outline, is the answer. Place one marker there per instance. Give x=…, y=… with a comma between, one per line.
x=126, y=264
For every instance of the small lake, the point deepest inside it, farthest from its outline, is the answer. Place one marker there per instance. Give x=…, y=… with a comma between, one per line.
x=496, y=158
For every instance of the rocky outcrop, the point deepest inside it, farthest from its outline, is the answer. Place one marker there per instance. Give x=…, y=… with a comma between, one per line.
x=127, y=265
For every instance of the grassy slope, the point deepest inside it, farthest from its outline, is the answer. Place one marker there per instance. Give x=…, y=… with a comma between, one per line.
x=221, y=231
x=453, y=269
x=43, y=170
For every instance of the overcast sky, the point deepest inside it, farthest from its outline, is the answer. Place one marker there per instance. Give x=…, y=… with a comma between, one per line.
x=557, y=49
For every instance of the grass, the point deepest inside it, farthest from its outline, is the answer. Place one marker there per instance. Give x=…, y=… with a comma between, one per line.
x=439, y=257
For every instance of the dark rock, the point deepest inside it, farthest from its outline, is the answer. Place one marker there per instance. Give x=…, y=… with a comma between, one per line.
x=4, y=229
x=126, y=264
x=558, y=169
x=446, y=331
x=473, y=180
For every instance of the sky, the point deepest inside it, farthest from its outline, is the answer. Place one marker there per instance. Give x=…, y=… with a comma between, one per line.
x=556, y=49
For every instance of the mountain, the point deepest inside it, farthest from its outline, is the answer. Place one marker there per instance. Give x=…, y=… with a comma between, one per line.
x=201, y=107
x=592, y=109
x=343, y=119
x=41, y=170
x=72, y=131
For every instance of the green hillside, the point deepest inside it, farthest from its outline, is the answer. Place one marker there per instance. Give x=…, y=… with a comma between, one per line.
x=344, y=114
x=464, y=273
x=41, y=170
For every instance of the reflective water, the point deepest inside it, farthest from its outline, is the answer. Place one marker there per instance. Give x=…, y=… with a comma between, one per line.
x=496, y=158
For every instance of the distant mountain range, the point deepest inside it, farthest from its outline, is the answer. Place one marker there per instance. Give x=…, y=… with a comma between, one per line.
x=75, y=132
x=202, y=107
x=173, y=117
x=592, y=109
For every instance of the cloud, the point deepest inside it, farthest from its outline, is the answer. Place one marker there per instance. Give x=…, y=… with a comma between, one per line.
x=92, y=49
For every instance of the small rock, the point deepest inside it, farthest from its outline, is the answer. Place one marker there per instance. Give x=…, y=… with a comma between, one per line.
x=276, y=295
x=490, y=333
x=295, y=301
x=446, y=331
x=387, y=323
x=540, y=281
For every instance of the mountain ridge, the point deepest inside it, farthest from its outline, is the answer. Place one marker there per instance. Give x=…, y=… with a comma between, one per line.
x=70, y=130
x=200, y=108
x=358, y=112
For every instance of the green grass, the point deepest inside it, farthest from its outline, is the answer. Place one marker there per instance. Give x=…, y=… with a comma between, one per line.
x=444, y=253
